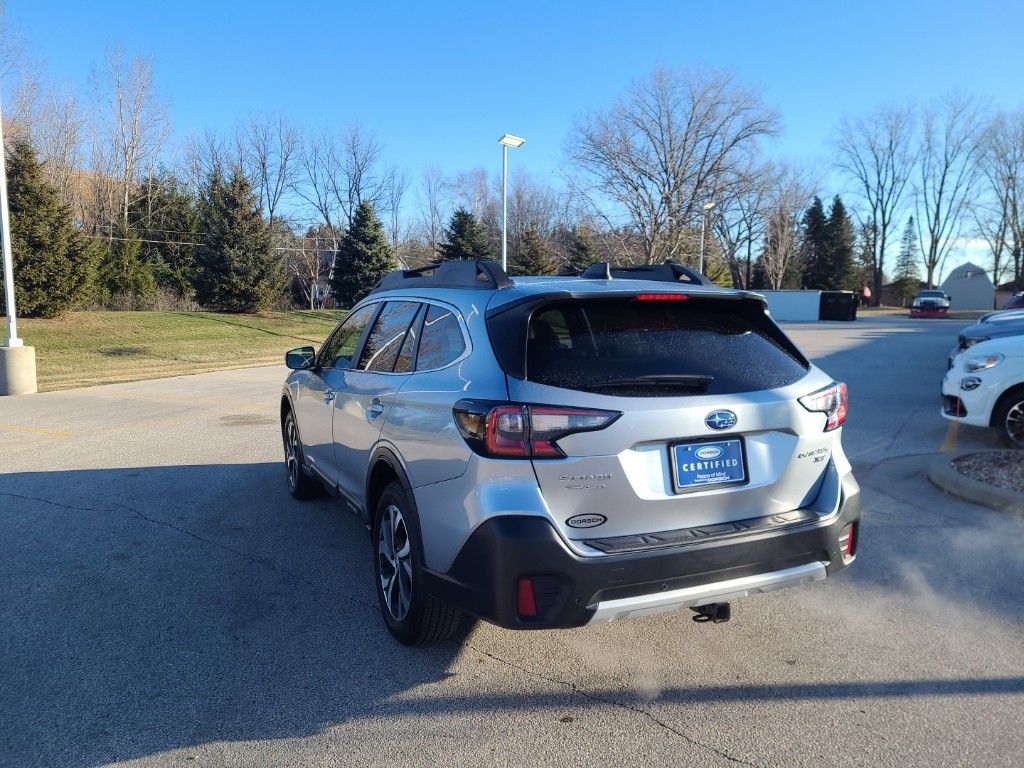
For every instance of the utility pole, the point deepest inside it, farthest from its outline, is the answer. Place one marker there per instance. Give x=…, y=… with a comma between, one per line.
x=17, y=362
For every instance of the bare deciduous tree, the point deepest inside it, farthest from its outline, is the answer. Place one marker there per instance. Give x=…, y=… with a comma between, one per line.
x=57, y=135
x=309, y=263
x=338, y=175
x=787, y=198
x=134, y=123
x=268, y=148
x=947, y=171
x=397, y=186
x=651, y=160
x=432, y=204
x=738, y=218
x=877, y=153
x=1002, y=167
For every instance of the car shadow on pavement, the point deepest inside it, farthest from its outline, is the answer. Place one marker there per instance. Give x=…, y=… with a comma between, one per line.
x=147, y=609
x=150, y=609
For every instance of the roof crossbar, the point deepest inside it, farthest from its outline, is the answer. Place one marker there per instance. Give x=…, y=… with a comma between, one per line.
x=669, y=272
x=478, y=274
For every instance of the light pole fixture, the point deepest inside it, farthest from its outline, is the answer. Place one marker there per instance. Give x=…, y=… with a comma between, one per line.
x=17, y=362
x=506, y=141
x=703, y=226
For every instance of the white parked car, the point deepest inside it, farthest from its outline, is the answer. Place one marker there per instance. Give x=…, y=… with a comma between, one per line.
x=985, y=388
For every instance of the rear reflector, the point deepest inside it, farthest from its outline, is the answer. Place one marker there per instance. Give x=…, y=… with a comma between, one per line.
x=848, y=541
x=526, y=601
x=661, y=297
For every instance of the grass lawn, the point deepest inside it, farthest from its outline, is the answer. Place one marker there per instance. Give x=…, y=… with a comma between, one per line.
x=85, y=348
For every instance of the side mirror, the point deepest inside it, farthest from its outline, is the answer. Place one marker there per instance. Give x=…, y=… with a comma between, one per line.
x=300, y=358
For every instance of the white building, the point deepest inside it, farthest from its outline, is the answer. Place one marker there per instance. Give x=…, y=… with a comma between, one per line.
x=969, y=287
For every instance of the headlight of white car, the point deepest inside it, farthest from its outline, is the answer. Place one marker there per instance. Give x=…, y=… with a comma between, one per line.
x=982, y=363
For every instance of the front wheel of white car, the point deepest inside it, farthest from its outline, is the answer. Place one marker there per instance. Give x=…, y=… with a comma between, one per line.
x=412, y=615
x=1009, y=418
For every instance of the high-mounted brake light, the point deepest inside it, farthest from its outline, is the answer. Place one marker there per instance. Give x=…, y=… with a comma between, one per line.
x=661, y=297
x=522, y=430
x=833, y=401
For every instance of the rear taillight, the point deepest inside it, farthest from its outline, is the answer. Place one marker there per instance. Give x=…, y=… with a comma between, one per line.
x=521, y=430
x=833, y=401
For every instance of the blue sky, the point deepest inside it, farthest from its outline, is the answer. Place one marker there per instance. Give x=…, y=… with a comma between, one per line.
x=439, y=82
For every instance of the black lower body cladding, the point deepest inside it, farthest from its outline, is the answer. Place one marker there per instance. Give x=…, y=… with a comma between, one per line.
x=502, y=550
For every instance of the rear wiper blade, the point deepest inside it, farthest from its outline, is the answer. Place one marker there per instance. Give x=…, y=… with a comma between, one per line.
x=685, y=380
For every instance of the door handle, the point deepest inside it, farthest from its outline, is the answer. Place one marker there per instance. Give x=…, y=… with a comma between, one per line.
x=375, y=409
x=328, y=396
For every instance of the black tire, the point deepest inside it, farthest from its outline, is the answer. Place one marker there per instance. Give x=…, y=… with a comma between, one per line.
x=411, y=614
x=1008, y=418
x=300, y=485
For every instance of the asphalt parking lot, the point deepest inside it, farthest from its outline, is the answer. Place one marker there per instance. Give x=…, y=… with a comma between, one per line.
x=163, y=601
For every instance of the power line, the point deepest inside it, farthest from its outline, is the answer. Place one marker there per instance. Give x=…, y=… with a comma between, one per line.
x=182, y=242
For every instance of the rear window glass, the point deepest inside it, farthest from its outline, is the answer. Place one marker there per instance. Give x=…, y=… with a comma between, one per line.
x=655, y=348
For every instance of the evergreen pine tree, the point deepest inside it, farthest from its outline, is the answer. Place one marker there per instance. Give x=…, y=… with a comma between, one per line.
x=464, y=238
x=363, y=258
x=125, y=279
x=237, y=270
x=908, y=273
x=814, y=255
x=839, y=245
x=582, y=251
x=533, y=255
x=168, y=222
x=54, y=263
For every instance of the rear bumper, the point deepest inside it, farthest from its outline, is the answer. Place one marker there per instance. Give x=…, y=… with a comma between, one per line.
x=929, y=312
x=572, y=590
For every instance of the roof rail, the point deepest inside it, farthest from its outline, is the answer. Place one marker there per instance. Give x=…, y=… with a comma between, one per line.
x=480, y=274
x=669, y=272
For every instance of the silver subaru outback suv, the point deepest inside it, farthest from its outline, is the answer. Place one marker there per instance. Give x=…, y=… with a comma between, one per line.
x=545, y=452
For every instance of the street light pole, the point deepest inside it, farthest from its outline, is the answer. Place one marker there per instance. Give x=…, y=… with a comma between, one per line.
x=507, y=141
x=703, y=225
x=12, y=339
x=504, y=208
x=17, y=362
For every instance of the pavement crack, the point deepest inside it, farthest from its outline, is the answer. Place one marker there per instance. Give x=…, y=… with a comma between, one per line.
x=114, y=507
x=52, y=503
x=595, y=697
x=244, y=555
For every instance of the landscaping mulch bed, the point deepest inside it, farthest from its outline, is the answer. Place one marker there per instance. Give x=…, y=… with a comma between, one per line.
x=1004, y=469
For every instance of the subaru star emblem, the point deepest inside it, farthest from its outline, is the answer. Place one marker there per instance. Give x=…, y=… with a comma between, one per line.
x=721, y=420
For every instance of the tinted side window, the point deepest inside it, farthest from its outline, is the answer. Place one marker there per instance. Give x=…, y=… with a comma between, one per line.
x=338, y=351
x=385, y=340
x=407, y=357
x=441, y=340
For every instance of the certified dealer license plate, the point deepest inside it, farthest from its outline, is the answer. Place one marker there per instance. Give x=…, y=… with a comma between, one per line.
x=700, y=466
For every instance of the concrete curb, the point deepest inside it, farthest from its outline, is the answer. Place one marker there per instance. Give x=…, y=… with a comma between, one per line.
x=944, y=476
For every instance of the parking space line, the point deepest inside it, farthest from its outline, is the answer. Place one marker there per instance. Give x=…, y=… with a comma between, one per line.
x=36, y=430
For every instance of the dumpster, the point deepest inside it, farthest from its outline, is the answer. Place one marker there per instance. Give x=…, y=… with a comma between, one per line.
x=838, y=305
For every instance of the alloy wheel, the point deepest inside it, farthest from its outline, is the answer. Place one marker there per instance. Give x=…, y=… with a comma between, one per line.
x=291, y=453
x=1015, y=424
x=394, y=554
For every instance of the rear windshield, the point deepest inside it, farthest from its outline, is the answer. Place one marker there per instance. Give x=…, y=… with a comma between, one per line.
x=637, y=348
